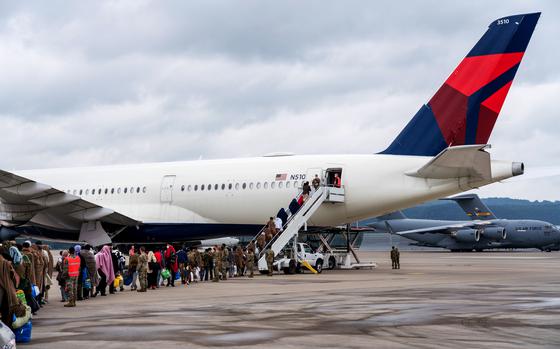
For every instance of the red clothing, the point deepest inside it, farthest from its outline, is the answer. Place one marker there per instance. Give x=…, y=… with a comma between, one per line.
x=159, y=258
x=337, y=182
x=168, y=253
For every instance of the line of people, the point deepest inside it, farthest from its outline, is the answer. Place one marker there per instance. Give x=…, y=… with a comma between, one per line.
x=26, y=272
x=83, y=274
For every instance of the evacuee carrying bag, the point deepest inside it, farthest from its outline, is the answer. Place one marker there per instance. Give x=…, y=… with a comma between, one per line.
x=165, y=274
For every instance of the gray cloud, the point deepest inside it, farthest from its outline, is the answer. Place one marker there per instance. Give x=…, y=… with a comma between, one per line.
x=132, y=81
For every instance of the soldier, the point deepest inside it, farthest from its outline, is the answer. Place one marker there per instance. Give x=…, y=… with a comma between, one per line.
x=199, y=263
x=225, y=262
x=250, y=261
x=217, y=263
x=397, y=258
x=316, y=182
x=70, y=271
x=270, y=261
x=393, y=259
x=142, y=268
x=261, y=240
x=239, y=260
x=270, y=227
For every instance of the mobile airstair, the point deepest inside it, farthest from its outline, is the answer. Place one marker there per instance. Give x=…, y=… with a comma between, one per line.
x=295, y=217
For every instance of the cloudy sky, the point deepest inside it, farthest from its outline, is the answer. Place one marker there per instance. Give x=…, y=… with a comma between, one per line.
x=134, y=81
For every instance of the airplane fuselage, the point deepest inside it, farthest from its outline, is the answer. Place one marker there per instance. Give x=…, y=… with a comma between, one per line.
x=237, y=196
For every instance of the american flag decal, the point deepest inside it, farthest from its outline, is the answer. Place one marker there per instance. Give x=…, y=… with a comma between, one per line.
x=281, y=176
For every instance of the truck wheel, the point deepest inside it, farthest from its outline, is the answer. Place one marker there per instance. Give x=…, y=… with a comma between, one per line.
x=319, y=266
x=332, y=262
x=292, y=267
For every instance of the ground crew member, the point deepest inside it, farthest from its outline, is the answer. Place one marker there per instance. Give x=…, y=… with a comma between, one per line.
x=71, y=271
x=225, y=262
x=270, y=261
x=250, y=261
x=337, y=182
x=142, y=269
x=393, y=258
x=397, y=258
x=217, y=258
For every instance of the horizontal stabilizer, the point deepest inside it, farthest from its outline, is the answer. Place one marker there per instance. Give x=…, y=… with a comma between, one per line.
x=460, y=161
x=473, y=206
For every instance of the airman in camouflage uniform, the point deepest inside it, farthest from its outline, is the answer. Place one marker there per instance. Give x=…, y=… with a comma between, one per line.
x=142, y=268
x=270, y=261
x=217, y=257
x=225, y=262
x=250, y=262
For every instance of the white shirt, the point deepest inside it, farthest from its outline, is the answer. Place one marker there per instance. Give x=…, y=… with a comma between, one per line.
x=278, y=223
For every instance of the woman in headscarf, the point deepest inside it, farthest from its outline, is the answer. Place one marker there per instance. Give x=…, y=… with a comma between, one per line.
x=29, y=262
x=91, y=268
x=49, y=268
x=153, y=269
x=10, y=305
x=80, y=287
x=104, y=263
x=60, y=277
x=39, y=266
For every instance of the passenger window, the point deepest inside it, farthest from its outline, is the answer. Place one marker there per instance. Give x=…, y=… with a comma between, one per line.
x=74, y=192
x=236, y=186
x=258, y=185
x=209, y=186
x=106, y=191
x=118, y=190
x=223, y=186
x=125, y=190
x=251, y=185
x=112, y=190
x=295, y=184
x=230, y=186
x=144, y=190
x=244, y=185
x=137, y=190
x=195, y=187
x=183, y=187
x=81, y=191
x=189, y=188
x=202, y=187
x=272, y=185
x=215, y=187
x=265, y=185
x=131, y=190
x=287, y=184
x=280, y=185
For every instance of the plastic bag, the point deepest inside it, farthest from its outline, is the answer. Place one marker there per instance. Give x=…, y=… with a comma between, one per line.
x=165, y=274
x=20, y=321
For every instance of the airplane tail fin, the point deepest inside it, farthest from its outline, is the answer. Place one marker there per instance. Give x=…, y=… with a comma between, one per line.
x=465, y=108
x=473, y=206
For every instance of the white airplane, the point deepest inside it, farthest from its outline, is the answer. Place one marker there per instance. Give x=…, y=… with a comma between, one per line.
x=439, y=153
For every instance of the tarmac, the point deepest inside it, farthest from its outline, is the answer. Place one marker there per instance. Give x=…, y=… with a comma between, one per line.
x=436, y=300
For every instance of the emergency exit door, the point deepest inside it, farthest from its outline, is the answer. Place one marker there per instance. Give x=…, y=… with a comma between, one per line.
x=167, y=184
